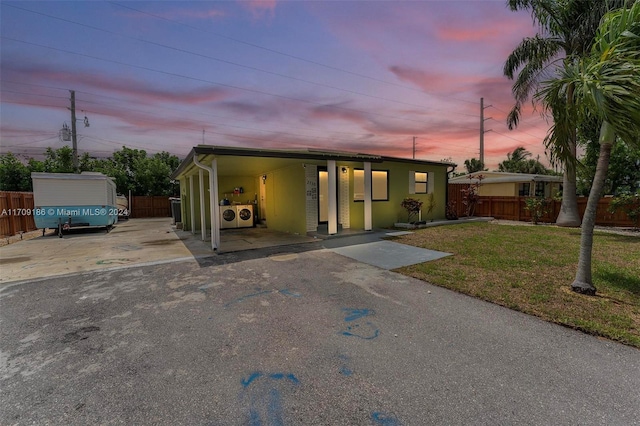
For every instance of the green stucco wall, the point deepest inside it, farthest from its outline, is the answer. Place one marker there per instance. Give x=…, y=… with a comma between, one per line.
x=386, y=213
x=285, y=200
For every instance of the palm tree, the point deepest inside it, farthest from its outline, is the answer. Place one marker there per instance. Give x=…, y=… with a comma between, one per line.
x=566, y=28
x=605, y=85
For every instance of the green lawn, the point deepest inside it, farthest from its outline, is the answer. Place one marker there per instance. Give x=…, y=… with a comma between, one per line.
x=530, y=269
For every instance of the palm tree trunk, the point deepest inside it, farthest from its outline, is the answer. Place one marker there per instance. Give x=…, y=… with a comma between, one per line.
x=569, y=215
x=583, y=282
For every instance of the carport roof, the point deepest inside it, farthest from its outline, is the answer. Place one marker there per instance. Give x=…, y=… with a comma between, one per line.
x=288, y=154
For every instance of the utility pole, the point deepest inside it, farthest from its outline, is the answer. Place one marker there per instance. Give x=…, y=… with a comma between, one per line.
x=414, y=147
x=482, y=131
x=74, y=136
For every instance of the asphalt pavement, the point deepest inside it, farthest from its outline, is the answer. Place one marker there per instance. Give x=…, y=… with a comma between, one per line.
x=292, y=336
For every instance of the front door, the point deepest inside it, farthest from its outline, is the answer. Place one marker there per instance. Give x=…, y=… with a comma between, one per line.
x=323, y=196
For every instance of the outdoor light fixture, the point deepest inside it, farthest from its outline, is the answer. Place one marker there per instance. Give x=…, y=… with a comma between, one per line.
x=264, y=178
x=344, y=170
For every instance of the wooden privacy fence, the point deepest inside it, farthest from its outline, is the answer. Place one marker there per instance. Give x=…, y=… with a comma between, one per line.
x=513, y=208
x=16, y=210
x=149, y=206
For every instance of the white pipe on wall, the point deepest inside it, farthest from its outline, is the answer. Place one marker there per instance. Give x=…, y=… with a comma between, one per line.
x=213, y=201
x=333, y=197
x=367, y=197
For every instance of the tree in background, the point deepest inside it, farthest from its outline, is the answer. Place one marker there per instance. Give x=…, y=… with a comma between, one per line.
x=623, y=175
x=14, y=175
x=567, y=28
x=474, y=165
x=518, y=161
x=605, y=86
x=131, y=169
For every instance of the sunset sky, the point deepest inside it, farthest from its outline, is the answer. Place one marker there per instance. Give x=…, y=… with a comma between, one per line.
x=361, y=76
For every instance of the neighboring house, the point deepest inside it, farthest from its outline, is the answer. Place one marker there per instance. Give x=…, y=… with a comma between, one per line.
x=302, y=191
x=501, y=184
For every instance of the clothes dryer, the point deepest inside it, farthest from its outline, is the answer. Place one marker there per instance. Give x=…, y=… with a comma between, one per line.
x=245, y=215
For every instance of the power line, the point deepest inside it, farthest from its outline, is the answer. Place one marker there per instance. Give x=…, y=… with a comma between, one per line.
x=208, y=81
x=290, y=55
x=165, y=46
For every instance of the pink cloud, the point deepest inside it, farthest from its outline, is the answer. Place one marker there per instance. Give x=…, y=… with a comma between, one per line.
x=260, y=8
x=140, y=90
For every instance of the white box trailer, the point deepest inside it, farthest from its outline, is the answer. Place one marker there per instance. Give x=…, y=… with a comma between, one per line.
x=66, y=200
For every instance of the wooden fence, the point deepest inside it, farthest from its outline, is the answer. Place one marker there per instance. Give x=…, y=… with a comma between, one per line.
x=513, y=208
x=149, y=206
x=16, y=210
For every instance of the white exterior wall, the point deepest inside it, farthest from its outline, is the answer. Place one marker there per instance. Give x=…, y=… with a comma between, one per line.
x=344, y=198
x=311, y=188
x=52, y=191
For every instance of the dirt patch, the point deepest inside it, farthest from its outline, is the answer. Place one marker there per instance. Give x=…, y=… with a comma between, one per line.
x=6, y=240
x=8, y=260
x=160, y=242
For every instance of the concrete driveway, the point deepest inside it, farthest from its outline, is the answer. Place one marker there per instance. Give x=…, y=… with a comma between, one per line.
x=288, y=336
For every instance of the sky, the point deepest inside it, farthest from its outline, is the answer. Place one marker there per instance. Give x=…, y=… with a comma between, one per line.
x=356, y=76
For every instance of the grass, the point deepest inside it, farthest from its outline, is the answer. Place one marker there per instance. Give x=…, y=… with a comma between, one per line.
x=531, y=268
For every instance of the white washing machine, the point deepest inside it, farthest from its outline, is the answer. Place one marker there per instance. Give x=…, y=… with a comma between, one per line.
x=245, y=215
x=228, y=217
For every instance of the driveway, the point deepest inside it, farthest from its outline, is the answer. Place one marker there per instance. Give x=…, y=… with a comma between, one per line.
x=291, y=336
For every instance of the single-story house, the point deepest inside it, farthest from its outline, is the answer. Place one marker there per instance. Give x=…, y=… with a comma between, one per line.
x=302, y=191
x=502, y=184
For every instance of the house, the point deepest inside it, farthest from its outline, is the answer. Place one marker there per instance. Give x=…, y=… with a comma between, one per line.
x=302, y=191
x=502, y=184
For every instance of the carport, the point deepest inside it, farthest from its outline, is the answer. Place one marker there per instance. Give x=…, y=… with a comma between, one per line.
x=280, y=185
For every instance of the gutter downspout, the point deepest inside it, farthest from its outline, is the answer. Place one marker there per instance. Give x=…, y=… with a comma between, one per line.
x=213, y=196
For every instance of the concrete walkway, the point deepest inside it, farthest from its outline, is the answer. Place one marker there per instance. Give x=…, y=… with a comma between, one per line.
x=139, y=242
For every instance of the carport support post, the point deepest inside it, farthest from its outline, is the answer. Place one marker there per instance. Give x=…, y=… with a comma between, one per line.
x=192, y=206
x=215, y=211
x=333, y=198
x=367, y=197
x=213, y=199
x=203, y=222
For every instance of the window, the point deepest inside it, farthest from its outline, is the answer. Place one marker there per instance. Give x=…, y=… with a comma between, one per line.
x=523, y=189
x=420, y=180
x=379, y=185
x=539, y=189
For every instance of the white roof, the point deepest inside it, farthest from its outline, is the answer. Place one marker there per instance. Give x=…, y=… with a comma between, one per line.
x=499, y=177
x=70, y=176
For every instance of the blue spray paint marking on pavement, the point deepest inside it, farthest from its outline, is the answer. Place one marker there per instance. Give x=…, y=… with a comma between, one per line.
x=264, y=397
x=288, y=292
x=345, y=370
x=385, y=419
x=368, y=331
x=246, y=382
x=354, y=314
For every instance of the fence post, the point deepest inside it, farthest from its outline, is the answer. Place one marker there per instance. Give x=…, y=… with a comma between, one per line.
x=518, y=209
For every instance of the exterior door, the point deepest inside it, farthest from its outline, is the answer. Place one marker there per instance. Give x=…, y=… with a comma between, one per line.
x=323, y=196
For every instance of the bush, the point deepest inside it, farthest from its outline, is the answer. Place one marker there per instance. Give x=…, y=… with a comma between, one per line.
x=412, y=206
